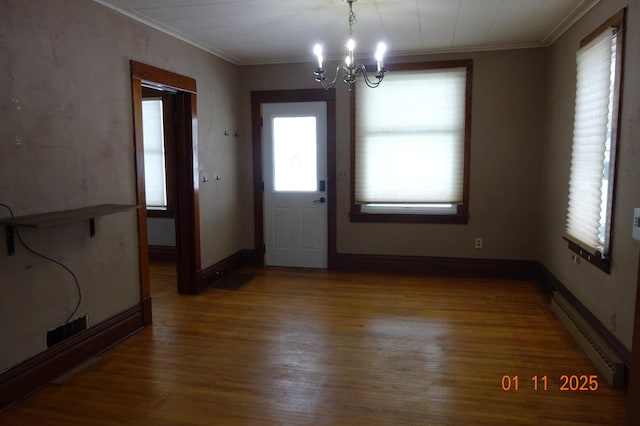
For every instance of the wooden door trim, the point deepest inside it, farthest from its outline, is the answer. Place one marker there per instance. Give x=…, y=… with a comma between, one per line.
x=284, y=96
x=187, y=213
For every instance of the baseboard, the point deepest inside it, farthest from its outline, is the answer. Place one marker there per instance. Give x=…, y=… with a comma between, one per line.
x=36, y=372
x=446, y=266
x=163, y=254
x=550, y=283
x=147, y=311
x=215, y=272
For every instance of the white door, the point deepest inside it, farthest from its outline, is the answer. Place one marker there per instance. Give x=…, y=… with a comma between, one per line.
x=295, y=173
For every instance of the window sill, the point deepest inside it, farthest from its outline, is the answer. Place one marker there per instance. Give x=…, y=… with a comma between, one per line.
x=160, y=213
x=596, y=260
x=453, y=219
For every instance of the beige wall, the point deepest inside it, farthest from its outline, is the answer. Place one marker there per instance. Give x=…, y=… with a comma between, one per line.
x=508, y=99
x=66, y=94
x=603, y=294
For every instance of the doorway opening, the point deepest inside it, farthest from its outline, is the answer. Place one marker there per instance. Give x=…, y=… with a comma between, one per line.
x=187, y=223
x=258, y=101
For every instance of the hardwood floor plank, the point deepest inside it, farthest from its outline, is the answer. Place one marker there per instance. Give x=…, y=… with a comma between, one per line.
x=317, y=347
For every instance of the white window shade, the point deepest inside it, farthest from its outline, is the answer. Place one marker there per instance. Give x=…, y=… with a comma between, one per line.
x=591, y=131
x=410, y=136
x=154, y=161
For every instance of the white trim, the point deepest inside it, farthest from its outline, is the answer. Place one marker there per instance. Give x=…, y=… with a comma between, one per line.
x=574, y=16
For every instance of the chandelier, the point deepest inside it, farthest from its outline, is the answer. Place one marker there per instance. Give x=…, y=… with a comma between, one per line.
x=349, y=69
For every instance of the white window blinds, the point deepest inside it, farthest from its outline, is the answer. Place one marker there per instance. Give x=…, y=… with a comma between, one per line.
x=410, y=135
x=591, y=135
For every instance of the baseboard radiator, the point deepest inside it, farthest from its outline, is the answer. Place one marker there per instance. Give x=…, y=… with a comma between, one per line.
x=610, y=366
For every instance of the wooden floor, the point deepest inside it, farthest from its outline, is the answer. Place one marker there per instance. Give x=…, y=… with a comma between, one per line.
x=323, y=348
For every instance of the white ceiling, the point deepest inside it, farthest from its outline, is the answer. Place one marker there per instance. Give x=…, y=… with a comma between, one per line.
x=273, y=31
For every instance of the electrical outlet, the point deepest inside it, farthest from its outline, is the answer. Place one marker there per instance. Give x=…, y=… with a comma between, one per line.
x=342, y=175
x=478, y=243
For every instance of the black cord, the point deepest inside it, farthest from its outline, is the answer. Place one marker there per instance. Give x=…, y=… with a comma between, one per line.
x=63, y=266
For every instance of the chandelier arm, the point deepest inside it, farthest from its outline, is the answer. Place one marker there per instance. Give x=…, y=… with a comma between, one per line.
x=320, y=78
x=372, y=84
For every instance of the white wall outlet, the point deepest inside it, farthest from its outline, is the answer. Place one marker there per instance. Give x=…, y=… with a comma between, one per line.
x=636, y=224
x=478, y=243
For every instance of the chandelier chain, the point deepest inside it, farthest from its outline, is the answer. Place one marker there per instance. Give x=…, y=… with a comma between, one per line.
x=352, y=18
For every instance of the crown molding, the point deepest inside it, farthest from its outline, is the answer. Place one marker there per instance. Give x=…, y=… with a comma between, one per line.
x=147, y=20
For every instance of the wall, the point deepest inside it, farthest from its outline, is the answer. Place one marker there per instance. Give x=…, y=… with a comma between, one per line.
x=604, y=295
x=508, y=96
x=66, y=141
x=161, y=231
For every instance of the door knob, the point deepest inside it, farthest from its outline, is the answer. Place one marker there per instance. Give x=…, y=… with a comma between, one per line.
x=320, y=200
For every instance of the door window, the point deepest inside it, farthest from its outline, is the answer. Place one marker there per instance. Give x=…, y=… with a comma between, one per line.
x=295, y=153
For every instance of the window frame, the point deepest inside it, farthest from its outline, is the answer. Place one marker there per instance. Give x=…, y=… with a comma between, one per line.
x=618, y=22
x=462, y=212
x=170, y=159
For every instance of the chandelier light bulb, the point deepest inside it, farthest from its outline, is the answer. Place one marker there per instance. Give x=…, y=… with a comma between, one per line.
x=351, y=45
x=382, y=48
x=347, y=60
x=317, y=50
x=380, y=55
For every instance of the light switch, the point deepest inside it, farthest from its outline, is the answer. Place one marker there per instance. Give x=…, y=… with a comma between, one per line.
x=636, y=224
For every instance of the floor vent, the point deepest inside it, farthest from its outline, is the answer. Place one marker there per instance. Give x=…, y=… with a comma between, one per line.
x=599, y=352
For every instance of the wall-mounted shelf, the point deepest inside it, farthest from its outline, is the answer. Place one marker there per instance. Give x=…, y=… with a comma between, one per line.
x=46, y=220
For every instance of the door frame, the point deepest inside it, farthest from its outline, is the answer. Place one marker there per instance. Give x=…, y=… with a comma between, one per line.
x=187, y=213
x=287, y=96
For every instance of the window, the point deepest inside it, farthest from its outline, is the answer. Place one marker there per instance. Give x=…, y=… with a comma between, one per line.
x=159, y=136
x=595, y=133
x=295, y=154
x=410, y=145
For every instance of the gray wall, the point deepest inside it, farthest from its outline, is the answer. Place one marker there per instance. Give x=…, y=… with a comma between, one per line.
x=161, y=231
x=65, y=81
x=508, y=100
x=603, y=294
